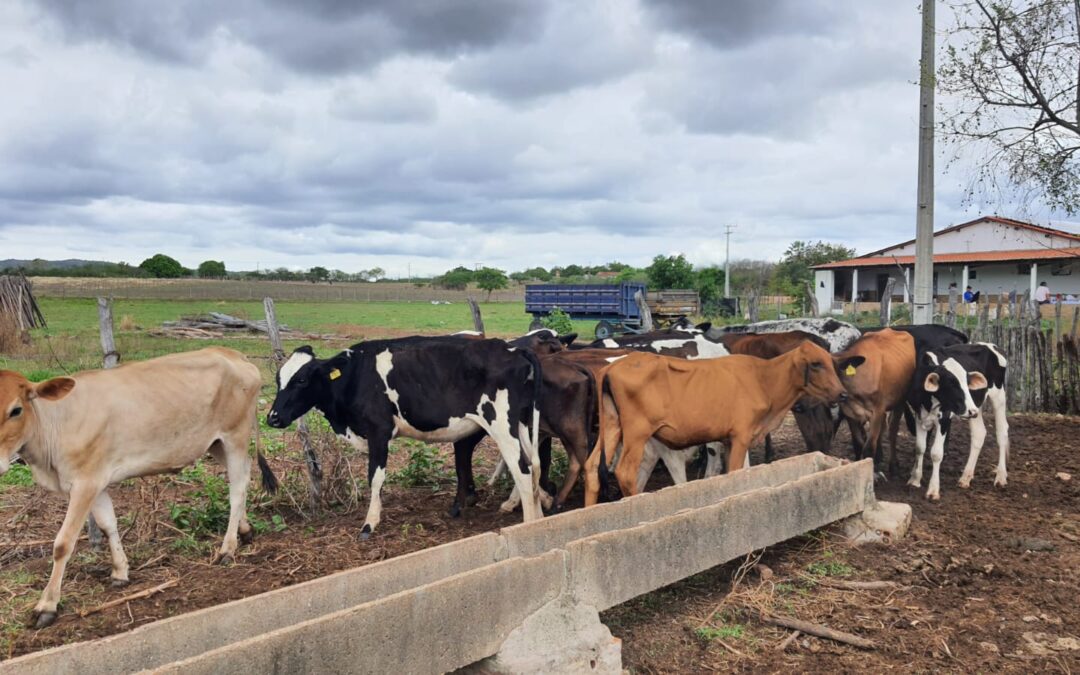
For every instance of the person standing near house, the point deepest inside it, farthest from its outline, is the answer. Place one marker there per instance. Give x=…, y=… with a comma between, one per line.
x=1042, y=294
x=971, y=299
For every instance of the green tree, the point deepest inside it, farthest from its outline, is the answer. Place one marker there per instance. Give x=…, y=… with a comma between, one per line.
x=318, y=274
x=212, y=269
x=709, y=282
x=162, y=266
x=794, y=270
x=457, y=278
x=490, y=279
x=573, y=271
x=538, y=273
x=672, y=271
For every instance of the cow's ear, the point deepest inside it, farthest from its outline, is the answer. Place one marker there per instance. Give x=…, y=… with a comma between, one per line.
x=306, y=349
x=568, y=338
x=704, y=327
x=847, y=366
x=932, y=382
x=977, y=380
x=54, y=389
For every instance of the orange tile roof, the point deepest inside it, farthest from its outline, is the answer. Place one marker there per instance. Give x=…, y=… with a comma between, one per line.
x=947, y=258
x=1042, y=229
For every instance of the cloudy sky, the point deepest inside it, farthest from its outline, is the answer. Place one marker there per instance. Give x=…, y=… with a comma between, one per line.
x=508, y=133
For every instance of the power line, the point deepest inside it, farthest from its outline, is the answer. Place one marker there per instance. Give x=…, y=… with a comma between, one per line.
x=728, y=229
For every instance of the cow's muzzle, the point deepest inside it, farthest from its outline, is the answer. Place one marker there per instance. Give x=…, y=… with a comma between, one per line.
x=275, y=421
x=842, y=397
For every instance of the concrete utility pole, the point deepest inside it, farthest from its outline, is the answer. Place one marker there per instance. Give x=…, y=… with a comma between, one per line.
x=923, y=309
x=727, y=261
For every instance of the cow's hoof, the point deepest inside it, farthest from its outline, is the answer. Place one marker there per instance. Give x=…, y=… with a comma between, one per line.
x=914, y=483
x=880, y=477
x=472, y=499
x=933, y=497
x=963, y=483
x=454, y=512
x=226, y=560
x=246, y=538
x=999, y=481
x=365, y=533
x=508, y=506
x=43, y=619
x=119, y=583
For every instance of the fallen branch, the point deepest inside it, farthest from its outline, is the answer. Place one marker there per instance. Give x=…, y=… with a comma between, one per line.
x=788, y=640
x=128, y=598
x=818, y=631
x=728, y=647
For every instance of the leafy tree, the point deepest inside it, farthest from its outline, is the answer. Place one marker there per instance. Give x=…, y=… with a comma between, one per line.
x=672, y=271
x=558, y=321
x=212, y=269
x=457, y=278
x=1012, y=71
x=318, y=274
x=162, y=266
x=709, y=282
x=538, y=273
x=631, y=274
x=490, y=279
x=573, y=271
x=793, y=271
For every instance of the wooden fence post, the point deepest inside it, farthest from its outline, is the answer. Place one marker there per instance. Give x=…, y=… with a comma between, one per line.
x=752, y=306
x=110, y=359
x=886, y=302
x=951, y=316
x=315, y=472
x=814, y=309
x=643, y=309
x=477, y=320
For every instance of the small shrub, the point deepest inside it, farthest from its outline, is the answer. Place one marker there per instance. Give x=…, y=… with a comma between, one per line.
x=424, y=468
x=209, y=511
x=275, y=524
x=17, y=476
x=559, y=321
x=127, y=322
x=724, y=632
x=830, y=568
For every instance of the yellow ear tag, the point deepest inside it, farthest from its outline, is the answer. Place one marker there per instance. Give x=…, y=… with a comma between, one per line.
x=335, y=373
x=849, y=371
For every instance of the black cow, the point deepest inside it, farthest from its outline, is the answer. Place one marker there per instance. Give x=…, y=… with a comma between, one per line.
x=436, y=389
x=957, y=380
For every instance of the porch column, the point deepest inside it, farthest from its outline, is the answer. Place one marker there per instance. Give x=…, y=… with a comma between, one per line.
x=1034, y=279
x=907, y=283
x=964, y=280
x=855, y=284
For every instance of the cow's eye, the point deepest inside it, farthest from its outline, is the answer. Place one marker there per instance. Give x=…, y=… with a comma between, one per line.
x=15, y=412
x=816, y=366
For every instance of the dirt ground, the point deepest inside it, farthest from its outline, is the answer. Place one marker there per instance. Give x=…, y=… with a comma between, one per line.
x=988, y=579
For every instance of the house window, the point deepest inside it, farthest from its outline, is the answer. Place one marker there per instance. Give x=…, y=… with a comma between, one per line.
x=973, y=274
x=1061, y=269
x=1023, y=268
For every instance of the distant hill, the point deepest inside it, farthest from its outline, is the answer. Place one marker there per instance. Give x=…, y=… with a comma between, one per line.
x=12, y=263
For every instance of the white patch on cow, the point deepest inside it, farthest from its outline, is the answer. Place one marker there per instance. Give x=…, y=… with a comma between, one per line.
x=706, y=348
x=384, y=363
x=553, y=332
x=455, y=429
x=374, y=512
x=512, y=349
x=688, y=329
x=348, y=352
x=511, y=448
x=474, y=333
x=933, y=358
x=288, y=370
x=610, y=344
x=957, y=371
x=1002, y=361
x=355, y=440
x=613, y=359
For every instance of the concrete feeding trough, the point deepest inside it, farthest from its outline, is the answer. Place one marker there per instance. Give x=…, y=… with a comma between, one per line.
x=525, y=599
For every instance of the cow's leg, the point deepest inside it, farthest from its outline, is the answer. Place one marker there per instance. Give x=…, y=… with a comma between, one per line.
x=894, y=431
x=769, y=453
x=920, y=448
x=937, y=453
x=675, y=463
x=873, y=446
x=80, y=499
x=606, y=445
x=738, y=448
x=858, y=437
x=626, y=472
x=648, y=462
x=378, y=449
x=521, y=458
x=576, y=443
x=714, y=463
x=466, y=488
x=544, y=450
x=105, y=517
x=238, y=467
x=977, y=429
x=1001, y=430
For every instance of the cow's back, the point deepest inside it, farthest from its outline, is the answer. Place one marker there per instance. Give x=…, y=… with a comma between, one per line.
x=884, y=377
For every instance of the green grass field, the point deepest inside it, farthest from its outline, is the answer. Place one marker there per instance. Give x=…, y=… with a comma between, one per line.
x=71, y=342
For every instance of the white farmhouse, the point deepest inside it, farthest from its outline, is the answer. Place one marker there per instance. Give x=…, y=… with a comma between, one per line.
x=991, y=254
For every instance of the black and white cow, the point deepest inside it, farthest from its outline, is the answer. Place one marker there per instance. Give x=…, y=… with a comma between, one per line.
x=435, y=389
x=839, y=334
x=685, y=342
x=957, y=380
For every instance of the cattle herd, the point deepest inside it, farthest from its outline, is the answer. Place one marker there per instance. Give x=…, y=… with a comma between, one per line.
x=617, y=405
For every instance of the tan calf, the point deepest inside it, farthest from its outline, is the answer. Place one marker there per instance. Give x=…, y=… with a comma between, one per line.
x=81, y=434
x=682, y=403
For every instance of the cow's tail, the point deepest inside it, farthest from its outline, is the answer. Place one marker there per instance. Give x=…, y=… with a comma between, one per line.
x=269, y=480
x=602, y=472
x=538, y=388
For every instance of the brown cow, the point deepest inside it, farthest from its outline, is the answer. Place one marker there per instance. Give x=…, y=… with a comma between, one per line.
x=83, y=433
x=879, y=386
x=683, y=403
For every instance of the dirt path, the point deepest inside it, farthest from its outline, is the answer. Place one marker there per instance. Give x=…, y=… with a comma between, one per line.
x=967, y=591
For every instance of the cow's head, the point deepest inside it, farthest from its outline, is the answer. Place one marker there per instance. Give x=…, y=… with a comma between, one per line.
x=543, y=341
x=17, y=412
x=948, y=382
x=303, y=383
x=819, y=372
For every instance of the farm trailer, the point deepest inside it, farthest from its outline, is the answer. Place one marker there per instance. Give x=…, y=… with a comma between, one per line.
x=613, y=306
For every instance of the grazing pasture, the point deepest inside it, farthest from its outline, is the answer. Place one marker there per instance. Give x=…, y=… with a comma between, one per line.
x=986, y=579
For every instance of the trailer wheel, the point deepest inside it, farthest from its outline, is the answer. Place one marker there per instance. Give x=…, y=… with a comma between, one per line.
x=604, y=330
x=536, y=323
